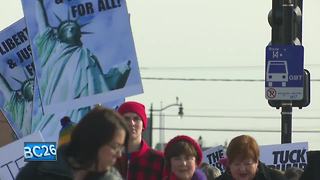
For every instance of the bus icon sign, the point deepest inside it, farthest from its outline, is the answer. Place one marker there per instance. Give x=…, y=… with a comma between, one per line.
x=277, y=71
x=284, y=72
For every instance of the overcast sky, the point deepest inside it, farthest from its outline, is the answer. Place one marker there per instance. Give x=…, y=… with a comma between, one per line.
x=213, y=40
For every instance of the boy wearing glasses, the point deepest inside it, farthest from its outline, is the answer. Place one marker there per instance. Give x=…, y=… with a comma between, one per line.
x=139, y=161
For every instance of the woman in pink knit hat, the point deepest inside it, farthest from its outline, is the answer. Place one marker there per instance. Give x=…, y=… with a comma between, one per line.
x=182, y=156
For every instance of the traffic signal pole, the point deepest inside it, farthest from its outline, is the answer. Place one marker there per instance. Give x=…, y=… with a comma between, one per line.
x=283, y=34
x=286, y=22
x=276, y=22
x=286, y=122
x=286, y=106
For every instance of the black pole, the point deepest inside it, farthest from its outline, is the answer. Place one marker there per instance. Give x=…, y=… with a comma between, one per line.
x=286, y=122
x=288, y=22
x=151, y=124
x=276, y=22
x=287, y=36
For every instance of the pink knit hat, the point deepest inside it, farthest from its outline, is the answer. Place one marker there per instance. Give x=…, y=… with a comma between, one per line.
x=188, y=140
x=137, y=108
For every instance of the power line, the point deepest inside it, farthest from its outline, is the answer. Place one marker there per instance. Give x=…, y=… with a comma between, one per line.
x=207, y=79
x=197, y=67
x=236, y=116
x=211, y=67
x=233, y=130
x=199, y=79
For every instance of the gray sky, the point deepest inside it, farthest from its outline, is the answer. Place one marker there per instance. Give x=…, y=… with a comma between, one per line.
x=213, y=40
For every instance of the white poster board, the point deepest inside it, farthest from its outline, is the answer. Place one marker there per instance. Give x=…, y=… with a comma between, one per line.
x=16, y=77
x=213, y=155
x=283, y=156
x=81, y=58
x=12, y=156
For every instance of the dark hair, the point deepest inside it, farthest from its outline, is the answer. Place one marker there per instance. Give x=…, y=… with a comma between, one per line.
x=243, y=147
x=95, y=129
x=178, y=148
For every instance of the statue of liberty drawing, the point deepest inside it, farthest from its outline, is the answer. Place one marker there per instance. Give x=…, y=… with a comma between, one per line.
x=18, y=104
x=68, y=69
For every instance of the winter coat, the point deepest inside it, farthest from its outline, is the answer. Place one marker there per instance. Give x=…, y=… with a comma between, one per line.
x=58, y=170
x=264, y=173
x=146, y=163
x=198, y=175
x=312, y=171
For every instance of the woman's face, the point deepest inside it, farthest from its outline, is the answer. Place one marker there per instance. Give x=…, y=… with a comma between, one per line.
x=108, y=154
x=183, y=166
x=243, y=169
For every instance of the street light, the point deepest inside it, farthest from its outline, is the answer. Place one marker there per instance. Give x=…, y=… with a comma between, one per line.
x=162, y=121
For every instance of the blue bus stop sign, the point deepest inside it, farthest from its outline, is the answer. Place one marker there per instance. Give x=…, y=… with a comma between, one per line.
x=284, y=72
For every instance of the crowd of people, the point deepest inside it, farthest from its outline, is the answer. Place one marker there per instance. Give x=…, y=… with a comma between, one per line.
x=108, y=145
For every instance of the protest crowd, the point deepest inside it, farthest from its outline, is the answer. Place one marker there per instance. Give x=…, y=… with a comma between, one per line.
x=119, y=152
x=62, y=80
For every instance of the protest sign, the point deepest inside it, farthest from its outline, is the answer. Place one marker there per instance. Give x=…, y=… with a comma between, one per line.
x=83, y=52
x=16, y=77
x=49, y=124
x=213, y=155
x=283, y=156
x=12, y=156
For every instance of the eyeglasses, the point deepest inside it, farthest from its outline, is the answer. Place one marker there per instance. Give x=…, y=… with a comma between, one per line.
x=116, y=147
x=129, y=118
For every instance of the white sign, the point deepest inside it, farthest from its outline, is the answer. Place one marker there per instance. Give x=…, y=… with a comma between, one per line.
x=12, y=159
x=213, y=155
x=283, y=156
x=16, y=77
x=94, y=63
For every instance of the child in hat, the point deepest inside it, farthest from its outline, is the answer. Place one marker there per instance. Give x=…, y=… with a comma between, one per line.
x=182, y=156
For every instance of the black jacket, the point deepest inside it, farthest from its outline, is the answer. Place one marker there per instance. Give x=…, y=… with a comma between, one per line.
x=312, y=171
x=58, y=170
x=264, y=173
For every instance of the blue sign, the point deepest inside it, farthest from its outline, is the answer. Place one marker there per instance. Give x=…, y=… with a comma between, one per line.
x=284, y=72
x=40, y=151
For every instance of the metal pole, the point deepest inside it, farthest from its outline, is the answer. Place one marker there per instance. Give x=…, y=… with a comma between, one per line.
x=161, y=135
x=288, y=22
x=286, y=106
x=286, y=122
x=151, y=125
x=276, y=22
x=162, y=120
